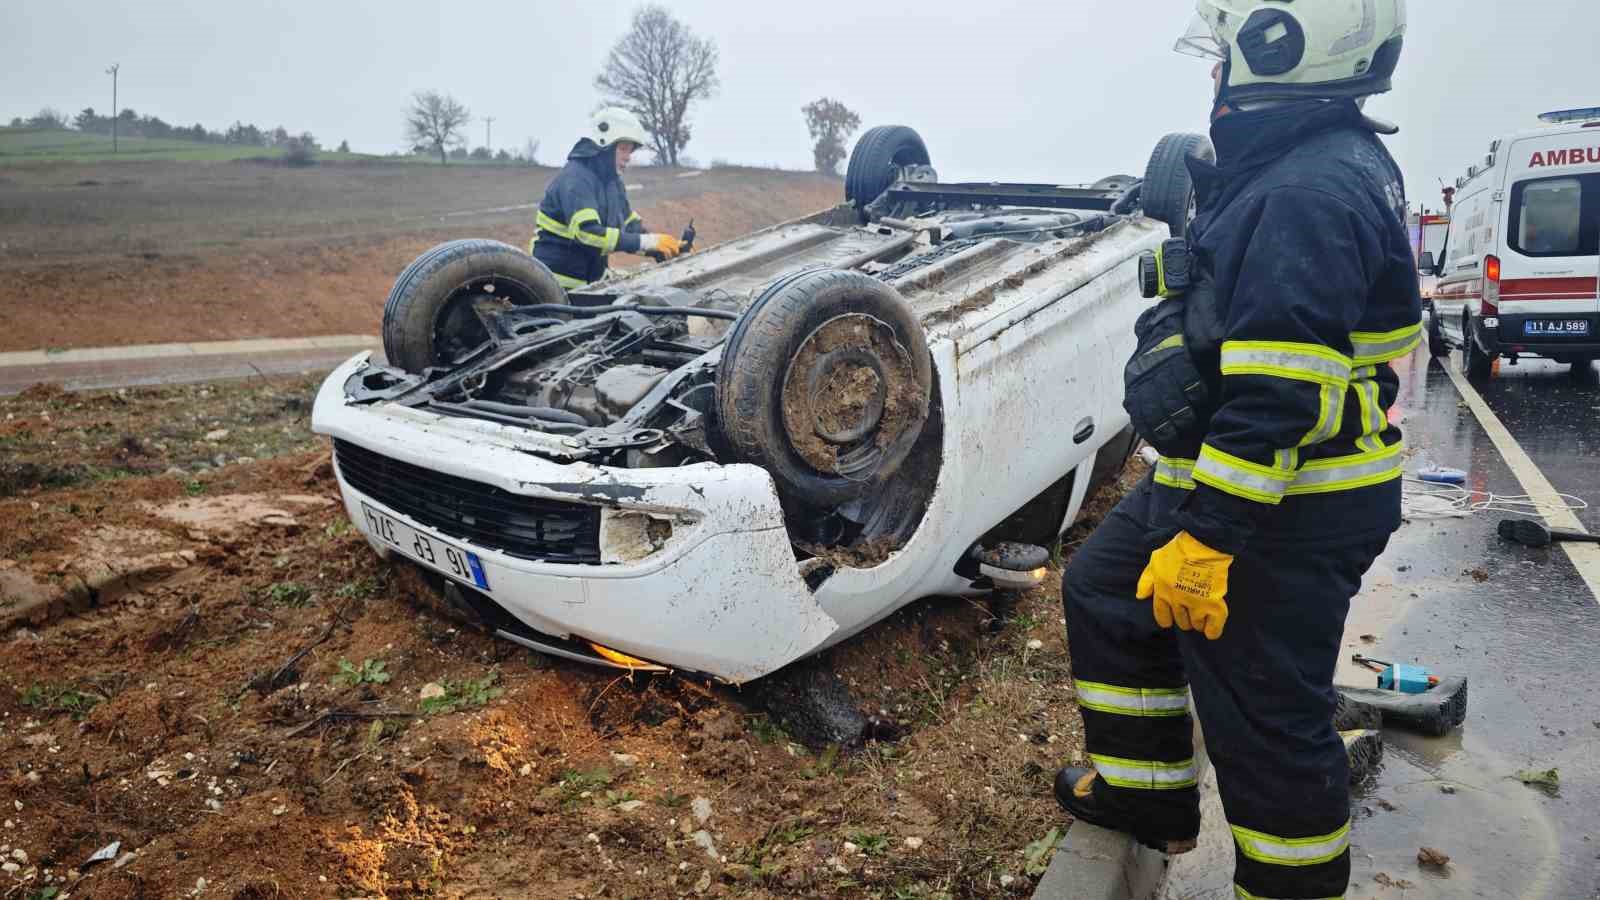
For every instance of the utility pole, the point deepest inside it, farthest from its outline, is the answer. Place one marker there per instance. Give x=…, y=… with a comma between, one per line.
x=488, y=132
x=113, y=73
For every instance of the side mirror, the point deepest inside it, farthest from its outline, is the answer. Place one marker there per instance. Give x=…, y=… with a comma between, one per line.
x=1425, y=264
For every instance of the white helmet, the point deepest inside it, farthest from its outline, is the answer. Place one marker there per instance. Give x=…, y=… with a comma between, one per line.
x=614, y=124
x=1283, y=50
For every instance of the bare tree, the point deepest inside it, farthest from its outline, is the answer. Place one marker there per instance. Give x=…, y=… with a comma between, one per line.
x=530, y=152
x=48, y=117
x=436, y=121
x=831, y=124
x=657, y=70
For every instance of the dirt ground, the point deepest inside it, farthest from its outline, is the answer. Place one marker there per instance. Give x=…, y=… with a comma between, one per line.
x=130, y=253
x=278, y=713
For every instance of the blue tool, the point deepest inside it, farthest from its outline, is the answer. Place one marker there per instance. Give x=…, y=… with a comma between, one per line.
x=1405, y=679
x=1441, y=475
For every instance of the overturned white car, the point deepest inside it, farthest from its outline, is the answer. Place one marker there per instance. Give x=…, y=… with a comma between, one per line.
x=728, y=462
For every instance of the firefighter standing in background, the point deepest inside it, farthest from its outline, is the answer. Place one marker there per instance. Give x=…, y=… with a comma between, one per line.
x=584, y=216
x=1262, y=516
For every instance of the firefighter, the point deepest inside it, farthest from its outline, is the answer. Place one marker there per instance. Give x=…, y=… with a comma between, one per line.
x=584, y=216
x=1226, y=575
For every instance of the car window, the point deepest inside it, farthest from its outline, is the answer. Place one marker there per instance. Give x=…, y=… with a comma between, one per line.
x=1556, y=216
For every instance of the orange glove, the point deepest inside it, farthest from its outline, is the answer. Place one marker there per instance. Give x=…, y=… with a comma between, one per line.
x=664, y=244
x=1187, y=583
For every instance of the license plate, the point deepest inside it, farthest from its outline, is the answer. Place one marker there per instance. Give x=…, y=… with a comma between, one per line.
x=1555, y=327
x=439, y=555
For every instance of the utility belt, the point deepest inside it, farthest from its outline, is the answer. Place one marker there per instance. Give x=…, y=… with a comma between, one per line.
x=1173, y=383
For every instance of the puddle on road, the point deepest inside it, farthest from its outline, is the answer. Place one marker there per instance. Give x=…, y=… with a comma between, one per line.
x=1510, y=848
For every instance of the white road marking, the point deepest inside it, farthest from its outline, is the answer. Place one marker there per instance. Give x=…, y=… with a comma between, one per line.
x=1585, y=557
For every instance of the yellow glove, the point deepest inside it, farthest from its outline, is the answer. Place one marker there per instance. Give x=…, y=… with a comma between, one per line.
x=664, y=244
x=1187, y=582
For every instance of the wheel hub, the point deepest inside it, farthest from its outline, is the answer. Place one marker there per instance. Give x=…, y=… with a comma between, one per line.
x=849, y=392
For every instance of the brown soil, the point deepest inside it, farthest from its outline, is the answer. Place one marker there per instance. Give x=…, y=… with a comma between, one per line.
x=213, y=723
x=237, y=250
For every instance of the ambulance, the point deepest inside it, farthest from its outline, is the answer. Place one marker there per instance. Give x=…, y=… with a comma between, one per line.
x=1517, y=276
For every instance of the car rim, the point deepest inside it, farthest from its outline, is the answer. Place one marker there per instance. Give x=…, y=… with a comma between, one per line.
x=457, y=328
x=849, y=394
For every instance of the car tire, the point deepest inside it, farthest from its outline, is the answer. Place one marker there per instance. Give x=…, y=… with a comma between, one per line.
x=875, y=159
x=826, y=383
x=1478, y=364
x=1168, y=190
x=429, y=318
x=1437, y=348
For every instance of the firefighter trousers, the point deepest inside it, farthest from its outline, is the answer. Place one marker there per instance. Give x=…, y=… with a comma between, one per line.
x=1263, y=691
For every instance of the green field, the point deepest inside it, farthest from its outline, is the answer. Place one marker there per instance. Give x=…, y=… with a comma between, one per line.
x=28, y=145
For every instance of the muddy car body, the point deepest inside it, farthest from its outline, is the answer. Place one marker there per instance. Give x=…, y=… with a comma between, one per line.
x=733, y=460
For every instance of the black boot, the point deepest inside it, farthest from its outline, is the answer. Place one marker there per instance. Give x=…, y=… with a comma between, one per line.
x=1080, y=791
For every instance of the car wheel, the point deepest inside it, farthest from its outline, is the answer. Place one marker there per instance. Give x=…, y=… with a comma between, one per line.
x=875, y=161
x=1437, y=348
x=1473, y=358
x=825, y=382
x=1168, y=191
x=431, y=316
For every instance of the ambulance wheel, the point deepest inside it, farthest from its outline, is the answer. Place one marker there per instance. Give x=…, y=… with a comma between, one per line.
x=1168, y=191
x=825, y=382
x=432, y=315
x=875, y=162
x=1478, y=363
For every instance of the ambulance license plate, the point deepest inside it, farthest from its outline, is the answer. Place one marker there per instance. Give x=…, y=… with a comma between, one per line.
x=436, y=554
x=1555, y=328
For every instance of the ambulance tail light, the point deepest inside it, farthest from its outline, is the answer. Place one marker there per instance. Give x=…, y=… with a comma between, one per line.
x=1491, y=285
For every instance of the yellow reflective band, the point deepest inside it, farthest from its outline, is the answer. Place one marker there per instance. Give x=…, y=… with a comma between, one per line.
x=568, y=282
x=1330, y=415
x=1284, y=359
x=632, y=218
x=546, y=223
x=582, y=216
x=1175, y=473
x=1306, y=851
x=1242, y=894
x=1344, y=473
x=1370, y=347
x=1143, y=774
x=1240, y=477
x=1373, y=420
x=1125, y=701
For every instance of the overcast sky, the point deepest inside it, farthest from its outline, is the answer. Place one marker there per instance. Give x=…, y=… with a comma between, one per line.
x=1047, y=91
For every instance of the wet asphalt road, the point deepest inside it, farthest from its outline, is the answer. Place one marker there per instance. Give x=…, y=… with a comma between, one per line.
x=1521, y=624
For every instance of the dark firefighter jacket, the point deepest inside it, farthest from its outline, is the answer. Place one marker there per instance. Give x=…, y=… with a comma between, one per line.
x=584, y=217
x=1301, y=228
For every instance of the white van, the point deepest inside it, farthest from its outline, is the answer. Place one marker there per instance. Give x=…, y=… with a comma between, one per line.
x=1518, y=273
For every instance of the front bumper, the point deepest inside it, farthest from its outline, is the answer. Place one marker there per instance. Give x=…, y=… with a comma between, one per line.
x=1508, y=336
x=722, y=594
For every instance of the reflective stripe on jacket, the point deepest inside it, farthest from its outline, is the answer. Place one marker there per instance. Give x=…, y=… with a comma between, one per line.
x=584, y=217
x=1301, y=227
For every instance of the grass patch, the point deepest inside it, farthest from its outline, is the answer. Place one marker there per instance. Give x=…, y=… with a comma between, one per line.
x=778, y=836
x=59, y=698
x=872, y=843
x=289, y=593
x=768, y=731
x=464, y=694
x=371, y=671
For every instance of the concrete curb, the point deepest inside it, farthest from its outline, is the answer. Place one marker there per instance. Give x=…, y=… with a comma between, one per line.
x=1092, y=863
x=197, y=348
x=95, y=368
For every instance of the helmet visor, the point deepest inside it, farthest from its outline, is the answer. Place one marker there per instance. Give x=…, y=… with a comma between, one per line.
x=1201, y=41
